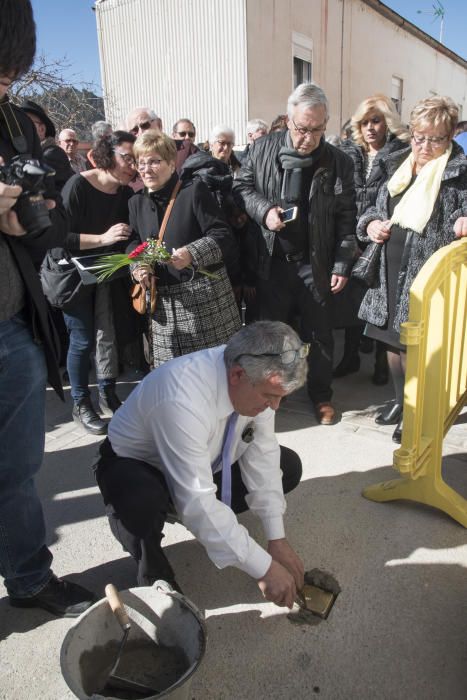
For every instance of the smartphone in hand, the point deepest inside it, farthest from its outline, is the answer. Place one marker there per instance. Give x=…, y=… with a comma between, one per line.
x=289, y=214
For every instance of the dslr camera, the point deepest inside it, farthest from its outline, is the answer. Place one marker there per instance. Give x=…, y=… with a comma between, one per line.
x=38, y=184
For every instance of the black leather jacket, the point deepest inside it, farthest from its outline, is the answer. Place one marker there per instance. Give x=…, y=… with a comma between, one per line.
x=332, y=243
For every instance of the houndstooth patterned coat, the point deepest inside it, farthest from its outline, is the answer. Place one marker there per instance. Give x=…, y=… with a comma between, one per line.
x=193, y=311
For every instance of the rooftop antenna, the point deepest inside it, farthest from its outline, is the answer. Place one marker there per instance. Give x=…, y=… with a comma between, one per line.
x=437, y=11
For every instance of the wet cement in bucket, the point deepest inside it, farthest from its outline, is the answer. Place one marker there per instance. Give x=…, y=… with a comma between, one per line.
x=142, y=661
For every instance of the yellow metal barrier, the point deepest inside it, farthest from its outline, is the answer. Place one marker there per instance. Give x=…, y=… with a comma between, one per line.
x=436, y=382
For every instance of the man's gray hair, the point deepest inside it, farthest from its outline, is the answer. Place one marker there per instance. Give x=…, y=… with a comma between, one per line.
x=255, y=125
x=257, y=349
x=307, y=95
x=221, y=130
x=99, y=129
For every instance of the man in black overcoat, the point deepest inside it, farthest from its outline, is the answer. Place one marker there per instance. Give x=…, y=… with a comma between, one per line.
x=304, y=262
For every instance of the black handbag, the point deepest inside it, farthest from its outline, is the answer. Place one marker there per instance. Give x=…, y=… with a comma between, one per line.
x=61, y=281
x=366, y=268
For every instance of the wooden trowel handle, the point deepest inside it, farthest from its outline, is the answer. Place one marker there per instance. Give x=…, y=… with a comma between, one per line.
x=117, y=607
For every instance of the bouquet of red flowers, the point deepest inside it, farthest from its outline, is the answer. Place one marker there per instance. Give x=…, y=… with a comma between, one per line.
x=149, y=253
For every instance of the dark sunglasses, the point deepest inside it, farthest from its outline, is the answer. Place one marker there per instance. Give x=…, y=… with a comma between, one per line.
x=186, y=133
x=143, y=126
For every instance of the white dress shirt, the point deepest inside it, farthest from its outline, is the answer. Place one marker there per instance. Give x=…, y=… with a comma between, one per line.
x=175, y=420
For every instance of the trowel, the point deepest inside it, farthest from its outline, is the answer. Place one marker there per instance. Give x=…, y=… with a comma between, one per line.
x=114, y=680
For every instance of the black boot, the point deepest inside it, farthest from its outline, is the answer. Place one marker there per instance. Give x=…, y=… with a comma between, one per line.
x=351, y=360
x=348, y=365
x=397, y=434
x=390, y=414
x=85, y=415
x=108, y=400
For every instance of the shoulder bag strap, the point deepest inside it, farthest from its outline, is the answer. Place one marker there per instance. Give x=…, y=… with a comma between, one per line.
x=168, y=211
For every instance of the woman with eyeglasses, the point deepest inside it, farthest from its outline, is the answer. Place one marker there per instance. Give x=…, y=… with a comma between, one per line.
x=221, y=143
x=193, y=311
x=96, y=202
x=376, y=132
x=421, y=207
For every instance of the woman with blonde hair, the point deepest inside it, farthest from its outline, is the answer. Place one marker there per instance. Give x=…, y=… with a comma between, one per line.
x=376, y=131
x=193, y=311
x=421, y=206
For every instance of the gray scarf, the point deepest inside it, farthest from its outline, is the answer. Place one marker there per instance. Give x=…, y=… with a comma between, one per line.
x=293, y=164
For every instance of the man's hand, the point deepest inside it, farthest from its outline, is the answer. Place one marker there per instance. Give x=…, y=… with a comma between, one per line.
x=338, y=283
x=8, y=196
x=460, y=227
x=10, y=225
x=273, y=220
x=278, y=585
x=282, y=552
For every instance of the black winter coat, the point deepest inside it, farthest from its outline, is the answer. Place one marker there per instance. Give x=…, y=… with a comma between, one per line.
x=195, y=216
x=56, y=158
x=366, y=190
x=331, y=232
x=28, y=253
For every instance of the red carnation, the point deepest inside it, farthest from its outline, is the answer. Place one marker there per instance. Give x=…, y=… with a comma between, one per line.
x=138, y=250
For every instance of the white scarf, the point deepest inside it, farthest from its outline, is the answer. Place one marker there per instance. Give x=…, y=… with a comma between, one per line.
x=416, y=205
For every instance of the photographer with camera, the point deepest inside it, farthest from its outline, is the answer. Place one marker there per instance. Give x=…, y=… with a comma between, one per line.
x=29, y=224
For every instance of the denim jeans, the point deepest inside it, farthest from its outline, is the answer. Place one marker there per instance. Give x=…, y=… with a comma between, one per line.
x=89, y=323
x=24, y=558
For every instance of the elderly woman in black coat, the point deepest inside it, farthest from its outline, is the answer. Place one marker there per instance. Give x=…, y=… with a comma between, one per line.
x=421, y=207
x=376, y=132
x=193, y=311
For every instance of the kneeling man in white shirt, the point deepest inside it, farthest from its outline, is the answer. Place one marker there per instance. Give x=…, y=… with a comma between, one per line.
x=197, y=436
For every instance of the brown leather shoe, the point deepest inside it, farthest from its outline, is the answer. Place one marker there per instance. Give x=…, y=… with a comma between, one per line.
x=325, y=413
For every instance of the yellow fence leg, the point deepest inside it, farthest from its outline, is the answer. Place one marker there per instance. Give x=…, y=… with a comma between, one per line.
x=436, y=383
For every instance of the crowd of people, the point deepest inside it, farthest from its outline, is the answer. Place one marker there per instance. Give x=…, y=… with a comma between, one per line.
x=261, y=245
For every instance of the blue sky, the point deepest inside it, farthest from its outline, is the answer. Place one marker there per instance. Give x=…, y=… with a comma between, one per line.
x=67, y=28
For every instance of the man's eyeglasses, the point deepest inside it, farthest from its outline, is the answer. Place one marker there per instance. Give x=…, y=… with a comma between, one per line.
x=183, y=134
x=303, y=131
x=288, y=357
x=225, y=144
x=143, y=127
x=149, y=165
x=433, y=140
x=129, y=160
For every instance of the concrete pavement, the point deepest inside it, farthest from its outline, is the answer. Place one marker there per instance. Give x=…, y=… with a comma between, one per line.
x=397, y=630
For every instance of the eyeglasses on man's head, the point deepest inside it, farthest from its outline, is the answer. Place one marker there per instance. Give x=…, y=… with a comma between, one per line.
x=184, y=134
x=287, y=357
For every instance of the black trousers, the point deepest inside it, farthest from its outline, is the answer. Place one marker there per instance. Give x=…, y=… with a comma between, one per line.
x=285, y=295
x=138, y=500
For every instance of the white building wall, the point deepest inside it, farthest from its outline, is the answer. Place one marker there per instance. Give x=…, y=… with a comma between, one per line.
x=227, y=61
x=355, y=53
x=183, y=58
